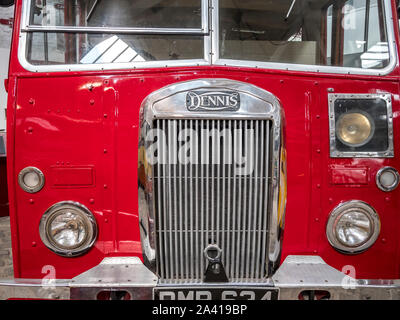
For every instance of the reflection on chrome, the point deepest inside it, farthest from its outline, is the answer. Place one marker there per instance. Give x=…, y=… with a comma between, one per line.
x=111, y=50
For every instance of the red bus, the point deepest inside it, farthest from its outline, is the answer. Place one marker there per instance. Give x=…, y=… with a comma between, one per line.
x=204, y=149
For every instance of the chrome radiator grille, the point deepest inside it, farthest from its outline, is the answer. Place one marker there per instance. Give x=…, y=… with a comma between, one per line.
x=213, y=199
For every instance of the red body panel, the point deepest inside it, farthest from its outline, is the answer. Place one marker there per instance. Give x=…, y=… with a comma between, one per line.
x=56, y=122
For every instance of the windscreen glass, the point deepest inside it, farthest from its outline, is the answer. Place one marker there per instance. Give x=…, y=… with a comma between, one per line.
x=348, y=33
x=95, y=47
x=117, y=13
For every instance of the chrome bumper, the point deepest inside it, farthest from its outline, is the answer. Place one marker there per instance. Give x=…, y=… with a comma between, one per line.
x=296, y=275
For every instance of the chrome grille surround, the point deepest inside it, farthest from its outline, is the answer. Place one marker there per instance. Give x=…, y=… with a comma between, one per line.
x=176, y=254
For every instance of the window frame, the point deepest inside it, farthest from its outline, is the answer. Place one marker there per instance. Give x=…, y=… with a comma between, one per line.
x=304, y=67
x=211, y=56
x=26, y=28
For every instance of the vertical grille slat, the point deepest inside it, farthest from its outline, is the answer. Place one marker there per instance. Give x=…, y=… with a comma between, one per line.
x=265, y=206
x=255, y=194
x=170, y=228
x=240, y=208
x=202, y=204
x=249, y=202
x=212, y=199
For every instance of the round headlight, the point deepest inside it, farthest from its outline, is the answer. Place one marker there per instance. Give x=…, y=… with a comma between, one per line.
x=68, y=229
x=355, y=129
x=387, y=179
x=31, y=179
x=353, y=227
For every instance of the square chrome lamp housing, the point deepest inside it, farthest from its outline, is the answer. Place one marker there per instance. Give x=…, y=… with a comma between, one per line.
x=348, y=113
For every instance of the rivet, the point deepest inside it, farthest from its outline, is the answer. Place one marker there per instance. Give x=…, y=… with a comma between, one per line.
x=318, y=116
x=105, y=220
x=91, y=102
x=316, y=219
x=318, y=151
x=31, y=101
x=141, y=80
x=384, y=240
x=91, y=200
x=106, y=81
x=33, y=244
x=316, y=83
x=105, y=115
x=105, y=186
x=31, y=201
x=318, y=186
x=330, y=200
x=30, y=130
x=387, y=199
x=105, y=150
x=282, y=81
x=90, y=87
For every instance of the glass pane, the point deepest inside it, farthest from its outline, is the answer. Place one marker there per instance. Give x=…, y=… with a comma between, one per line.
x=312, y=32
x=59, y=48
x=117, y=13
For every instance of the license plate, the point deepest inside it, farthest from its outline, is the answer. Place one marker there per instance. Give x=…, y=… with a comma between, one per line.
x=215, y=293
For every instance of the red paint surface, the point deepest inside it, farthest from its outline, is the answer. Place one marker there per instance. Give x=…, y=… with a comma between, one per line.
x=72, y=177
x=349, y=176
x=63, y=129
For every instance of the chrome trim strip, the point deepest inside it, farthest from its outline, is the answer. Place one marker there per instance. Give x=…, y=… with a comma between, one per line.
x=103, y=30
x=334, y=153
x=55, y=289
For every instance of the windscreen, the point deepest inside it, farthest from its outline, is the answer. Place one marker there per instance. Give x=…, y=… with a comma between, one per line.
x=340, y=33
x=348, y=33
x=49, y=48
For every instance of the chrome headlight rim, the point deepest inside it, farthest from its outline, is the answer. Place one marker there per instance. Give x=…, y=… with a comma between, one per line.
x=26, y=188
x=91, y=228
x=394, y=185
x=338, y=212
